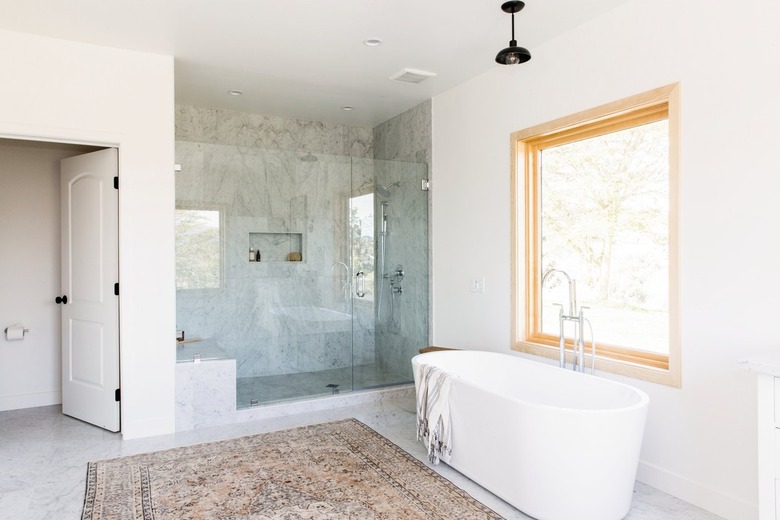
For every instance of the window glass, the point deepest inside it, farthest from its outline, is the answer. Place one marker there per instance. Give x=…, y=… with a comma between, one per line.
x=605, y=221
x=198, y=251
x=361, y=220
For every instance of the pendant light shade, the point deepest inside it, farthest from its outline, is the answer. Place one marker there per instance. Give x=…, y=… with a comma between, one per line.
x=513, y=54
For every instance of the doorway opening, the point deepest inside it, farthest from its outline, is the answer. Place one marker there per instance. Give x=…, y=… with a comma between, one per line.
x=31, y=272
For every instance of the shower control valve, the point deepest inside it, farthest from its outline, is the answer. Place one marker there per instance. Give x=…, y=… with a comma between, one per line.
x=396, y=279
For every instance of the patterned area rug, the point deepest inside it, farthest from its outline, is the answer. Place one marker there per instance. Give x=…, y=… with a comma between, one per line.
x=341, y=469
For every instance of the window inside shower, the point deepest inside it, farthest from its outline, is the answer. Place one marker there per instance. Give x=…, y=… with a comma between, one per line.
x=361, y=222
x=198, y=249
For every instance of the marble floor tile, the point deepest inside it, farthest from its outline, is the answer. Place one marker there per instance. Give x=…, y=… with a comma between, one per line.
x=286, y=387
x=46, y=454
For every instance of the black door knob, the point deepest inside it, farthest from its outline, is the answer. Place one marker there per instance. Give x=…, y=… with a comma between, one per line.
x=63, y=300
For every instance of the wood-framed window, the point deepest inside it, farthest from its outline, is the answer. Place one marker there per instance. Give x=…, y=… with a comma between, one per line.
x=595, y=195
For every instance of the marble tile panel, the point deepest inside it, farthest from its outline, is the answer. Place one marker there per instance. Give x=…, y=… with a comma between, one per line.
x=13, y=504
x=196, y=124
x=221, y=126
x=406, y=137
x=205, y=393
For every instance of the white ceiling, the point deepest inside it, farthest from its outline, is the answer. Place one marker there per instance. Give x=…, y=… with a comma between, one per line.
x=303, y=59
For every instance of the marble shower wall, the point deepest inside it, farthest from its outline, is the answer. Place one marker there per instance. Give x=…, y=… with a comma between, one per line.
x=274, y=317
x=218, y=126
x=406, y=137
x=284, y=317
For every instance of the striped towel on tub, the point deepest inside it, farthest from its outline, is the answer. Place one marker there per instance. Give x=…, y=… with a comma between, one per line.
x=433, y=411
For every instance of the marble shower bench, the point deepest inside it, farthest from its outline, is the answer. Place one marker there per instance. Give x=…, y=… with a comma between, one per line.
x=205, y=385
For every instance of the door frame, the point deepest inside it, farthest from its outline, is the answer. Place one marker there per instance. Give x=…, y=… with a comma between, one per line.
x=108, y=140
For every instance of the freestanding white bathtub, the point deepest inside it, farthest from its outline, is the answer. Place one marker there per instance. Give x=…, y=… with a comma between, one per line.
x=554, y=443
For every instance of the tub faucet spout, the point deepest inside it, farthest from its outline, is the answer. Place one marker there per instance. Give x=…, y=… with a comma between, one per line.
x=575, y=315
x=572, y=288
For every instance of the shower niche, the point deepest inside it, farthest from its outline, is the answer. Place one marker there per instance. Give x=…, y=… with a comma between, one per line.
x=276, y=247
x=276, y=236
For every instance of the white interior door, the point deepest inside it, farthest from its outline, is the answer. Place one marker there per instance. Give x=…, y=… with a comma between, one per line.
x=90, y=307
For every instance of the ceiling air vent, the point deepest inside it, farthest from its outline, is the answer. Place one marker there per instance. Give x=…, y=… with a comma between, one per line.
x=412, y=76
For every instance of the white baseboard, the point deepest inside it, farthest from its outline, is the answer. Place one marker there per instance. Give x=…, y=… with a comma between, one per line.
x=15, y=402
x=722, y=504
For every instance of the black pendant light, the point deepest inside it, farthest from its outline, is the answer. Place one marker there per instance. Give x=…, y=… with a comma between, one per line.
x=513, y=54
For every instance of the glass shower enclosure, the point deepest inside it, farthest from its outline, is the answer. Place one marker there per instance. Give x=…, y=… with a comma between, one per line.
x=310, y=270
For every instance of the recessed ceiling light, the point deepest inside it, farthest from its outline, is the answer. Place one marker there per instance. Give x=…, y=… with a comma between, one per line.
x=372, y=42
x=235, y=92
x=347, y=108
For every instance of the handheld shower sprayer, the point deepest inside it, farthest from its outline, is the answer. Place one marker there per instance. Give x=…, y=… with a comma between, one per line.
x=384, y=222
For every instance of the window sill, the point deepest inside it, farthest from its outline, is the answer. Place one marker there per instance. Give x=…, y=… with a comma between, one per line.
x=669, y=377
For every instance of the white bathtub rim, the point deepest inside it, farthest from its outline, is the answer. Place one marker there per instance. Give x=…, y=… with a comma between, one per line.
x=643, y=397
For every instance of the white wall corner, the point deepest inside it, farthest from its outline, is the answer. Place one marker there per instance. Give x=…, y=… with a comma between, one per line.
x=717, y=502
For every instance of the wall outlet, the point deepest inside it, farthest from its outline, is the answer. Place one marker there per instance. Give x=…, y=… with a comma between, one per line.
x=477, y=285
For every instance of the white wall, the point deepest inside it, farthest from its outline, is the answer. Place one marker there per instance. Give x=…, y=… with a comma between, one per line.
x=700, y=440
x=65, y=91
x=30, y=271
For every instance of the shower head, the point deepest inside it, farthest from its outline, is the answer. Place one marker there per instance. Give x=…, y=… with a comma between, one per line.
x=309, y=157
x=384, y=190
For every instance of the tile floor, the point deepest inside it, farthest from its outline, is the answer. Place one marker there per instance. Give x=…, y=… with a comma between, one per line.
x=44, y=455
x=286, y=387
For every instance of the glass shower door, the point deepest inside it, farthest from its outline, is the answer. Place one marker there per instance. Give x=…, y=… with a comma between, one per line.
x=389, y=231
x=363, y=239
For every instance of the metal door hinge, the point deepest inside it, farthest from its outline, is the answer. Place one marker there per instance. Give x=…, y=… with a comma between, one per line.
x=425, y=185
x=116, y=183
x=117, y=395
x=116, y=289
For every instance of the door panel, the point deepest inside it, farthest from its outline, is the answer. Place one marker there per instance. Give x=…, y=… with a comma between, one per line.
x=86, y=353
x=90, y=318
x=86, y=241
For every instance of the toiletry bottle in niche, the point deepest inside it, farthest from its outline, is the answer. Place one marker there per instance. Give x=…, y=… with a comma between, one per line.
x=251, y=254
x=257, y=255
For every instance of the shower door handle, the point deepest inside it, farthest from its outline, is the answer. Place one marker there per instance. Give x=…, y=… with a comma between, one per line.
x=360, y=283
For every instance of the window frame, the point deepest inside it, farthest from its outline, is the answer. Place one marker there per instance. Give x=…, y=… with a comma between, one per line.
x=654, y=105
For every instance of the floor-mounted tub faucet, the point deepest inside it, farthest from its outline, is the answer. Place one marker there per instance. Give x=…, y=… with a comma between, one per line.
x=576, y=315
